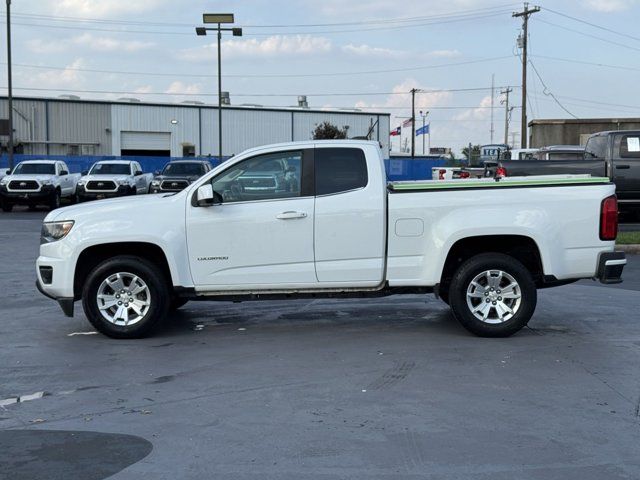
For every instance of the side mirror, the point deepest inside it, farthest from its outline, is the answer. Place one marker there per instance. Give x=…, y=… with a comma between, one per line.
x=8, y=172
x=156, y=173
x=85, y=173
x=204, y=195
x=138, y=173
x=63, y=173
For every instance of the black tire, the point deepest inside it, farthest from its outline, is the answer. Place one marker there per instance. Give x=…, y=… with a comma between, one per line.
x=55, y=200
x=73, y=199
x=478, y=265
x=158, y=289
x=6, y=206
x=177, y=302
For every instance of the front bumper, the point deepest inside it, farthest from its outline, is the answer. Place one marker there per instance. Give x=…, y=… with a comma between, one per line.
x=66, y=304
x=27, y=198
x=123, y=190
x=610, y=266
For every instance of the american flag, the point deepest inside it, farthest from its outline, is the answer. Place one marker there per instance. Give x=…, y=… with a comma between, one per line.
x=407, y=122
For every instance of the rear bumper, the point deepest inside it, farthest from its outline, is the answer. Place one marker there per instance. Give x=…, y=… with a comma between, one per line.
x=610, y=266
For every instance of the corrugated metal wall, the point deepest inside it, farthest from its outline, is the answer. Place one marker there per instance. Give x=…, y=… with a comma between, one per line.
x=71, y=122
x=102, y=123
x=29, y=123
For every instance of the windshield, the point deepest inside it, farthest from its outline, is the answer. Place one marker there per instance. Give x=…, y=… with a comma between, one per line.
x=182, y=169
x=110, y=169
x=35, y=168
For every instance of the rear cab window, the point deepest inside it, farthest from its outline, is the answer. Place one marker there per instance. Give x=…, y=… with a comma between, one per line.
x=339, y=170
x=627, y=146
x=596, y=147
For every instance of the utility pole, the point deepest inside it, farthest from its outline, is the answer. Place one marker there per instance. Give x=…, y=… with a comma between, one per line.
x=492, y=130
x=9, y=87
x=507, y=113
x=525, y=23
x=413, y=122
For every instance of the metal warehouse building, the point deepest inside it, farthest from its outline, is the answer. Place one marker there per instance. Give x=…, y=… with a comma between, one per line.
x=72, y=126
x=574, y=131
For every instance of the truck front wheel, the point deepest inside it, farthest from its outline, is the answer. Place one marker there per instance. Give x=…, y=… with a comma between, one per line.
x=54, y=202
x=126, y=297
x=493, y=295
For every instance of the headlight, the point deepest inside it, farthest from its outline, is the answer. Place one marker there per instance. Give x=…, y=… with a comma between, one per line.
x=4, y=181
x=81, y=183
x=155, y=183
x=53, y=231
x=123, y=182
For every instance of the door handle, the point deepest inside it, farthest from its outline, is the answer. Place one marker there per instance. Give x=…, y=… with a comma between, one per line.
x=623, y=167
x=290, y=215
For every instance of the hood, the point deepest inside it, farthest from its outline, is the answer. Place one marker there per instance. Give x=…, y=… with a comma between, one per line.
x=38, y=177
x=109, y=208
x=189, y=178
x=106, y=178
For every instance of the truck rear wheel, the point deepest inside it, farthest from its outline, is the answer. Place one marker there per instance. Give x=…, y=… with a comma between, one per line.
x=493, y=295
x=126, y=297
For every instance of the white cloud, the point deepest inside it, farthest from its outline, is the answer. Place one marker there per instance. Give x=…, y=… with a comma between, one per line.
x=39, y=46
x=607, y=6
x=105, y=8
x=67, y=78
x=268, y=47
x=482, y=112
x=399, y=102
x=364, y=50
x=445, y=53
x=108, y=44
x=179, y=87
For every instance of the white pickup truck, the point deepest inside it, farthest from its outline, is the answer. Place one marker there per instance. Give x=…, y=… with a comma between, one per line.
x=318, y=219
x=38, y=182
x=113, y=178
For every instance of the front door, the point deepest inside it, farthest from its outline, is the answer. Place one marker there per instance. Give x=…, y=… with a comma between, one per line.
x=261, y=236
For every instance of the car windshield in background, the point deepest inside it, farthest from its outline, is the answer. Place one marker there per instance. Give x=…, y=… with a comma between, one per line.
x=35, y=168
x=110, y=169
x=182, y=169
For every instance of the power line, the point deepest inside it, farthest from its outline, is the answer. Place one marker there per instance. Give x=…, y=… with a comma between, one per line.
x=459, y=13
x=622, y=34
x=333, y=94
x=264, y=34
x=266, y=75
x=582, y=62
x=547, y=92
x=589, y=35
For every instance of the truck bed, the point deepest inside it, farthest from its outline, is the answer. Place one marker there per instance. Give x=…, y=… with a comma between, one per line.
x=471, y=183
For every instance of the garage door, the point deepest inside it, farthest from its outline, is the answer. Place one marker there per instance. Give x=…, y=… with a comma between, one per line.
x=145, y=141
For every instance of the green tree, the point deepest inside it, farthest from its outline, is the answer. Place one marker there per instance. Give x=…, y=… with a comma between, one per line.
x=328, y=131
x=475, y=153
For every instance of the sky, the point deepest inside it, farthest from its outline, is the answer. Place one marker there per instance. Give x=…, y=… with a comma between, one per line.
x=585, y=57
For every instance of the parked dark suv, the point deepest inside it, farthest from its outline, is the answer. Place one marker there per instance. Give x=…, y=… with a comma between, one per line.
x=178, y=175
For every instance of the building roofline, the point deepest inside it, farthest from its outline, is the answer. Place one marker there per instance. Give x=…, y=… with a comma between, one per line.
x=203, y=106
x=577, y=121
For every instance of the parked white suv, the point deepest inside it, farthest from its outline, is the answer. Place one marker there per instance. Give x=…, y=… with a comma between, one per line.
x=113, y=178
x=318, y=219
x=38, y=182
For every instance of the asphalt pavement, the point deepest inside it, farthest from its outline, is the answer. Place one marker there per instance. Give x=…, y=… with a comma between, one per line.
x=361, y=389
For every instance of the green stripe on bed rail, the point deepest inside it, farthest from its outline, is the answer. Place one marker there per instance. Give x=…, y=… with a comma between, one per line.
x=443, y=185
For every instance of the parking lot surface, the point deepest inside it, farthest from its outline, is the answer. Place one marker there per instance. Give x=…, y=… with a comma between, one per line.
x=360, y=389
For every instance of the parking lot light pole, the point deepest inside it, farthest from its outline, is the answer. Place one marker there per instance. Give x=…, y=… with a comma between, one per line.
x=219, y=19
x=9, y=88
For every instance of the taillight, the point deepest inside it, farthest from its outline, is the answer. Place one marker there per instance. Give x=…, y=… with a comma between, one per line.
x=609, y=218
x=501, y=172
x=441, y=174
